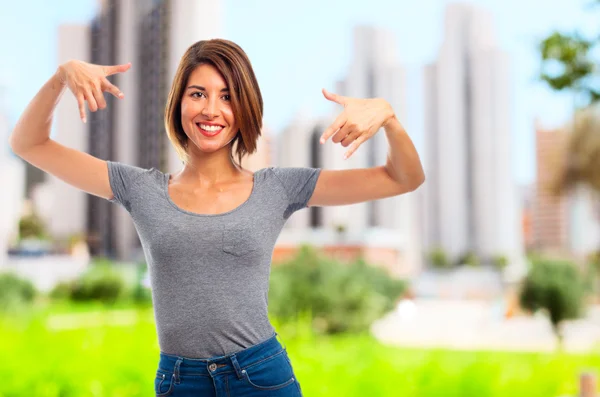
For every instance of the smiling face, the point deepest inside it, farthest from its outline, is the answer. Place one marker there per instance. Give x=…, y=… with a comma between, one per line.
x=206, y=111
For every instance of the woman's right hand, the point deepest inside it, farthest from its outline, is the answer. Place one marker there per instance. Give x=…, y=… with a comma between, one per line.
x=87, y=82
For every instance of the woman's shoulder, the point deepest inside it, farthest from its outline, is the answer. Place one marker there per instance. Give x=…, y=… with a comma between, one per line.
x=130, y=173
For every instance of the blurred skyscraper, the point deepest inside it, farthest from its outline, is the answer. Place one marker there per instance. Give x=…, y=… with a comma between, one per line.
x=471, y=198
x=12, y=170
x=385, y=230
x=550, y=211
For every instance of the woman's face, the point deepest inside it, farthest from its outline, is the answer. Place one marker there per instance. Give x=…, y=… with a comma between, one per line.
x=206, y=114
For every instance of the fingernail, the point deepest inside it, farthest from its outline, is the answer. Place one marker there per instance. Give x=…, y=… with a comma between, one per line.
x=84, y=120
x=121, y=95
x=345, y=156
x=322, y=140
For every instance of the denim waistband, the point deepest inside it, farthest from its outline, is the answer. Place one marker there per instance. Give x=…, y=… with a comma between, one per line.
x=234, y=362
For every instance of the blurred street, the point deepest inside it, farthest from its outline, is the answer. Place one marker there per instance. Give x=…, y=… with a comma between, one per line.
x=479, y=325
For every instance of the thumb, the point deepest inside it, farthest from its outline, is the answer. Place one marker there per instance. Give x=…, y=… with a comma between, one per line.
x=110, y=70
x=334, y=97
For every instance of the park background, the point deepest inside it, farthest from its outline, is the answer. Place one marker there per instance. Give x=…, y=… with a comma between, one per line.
x=483, y=282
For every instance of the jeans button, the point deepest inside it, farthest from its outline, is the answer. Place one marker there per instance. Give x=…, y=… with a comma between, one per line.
x=212, y=367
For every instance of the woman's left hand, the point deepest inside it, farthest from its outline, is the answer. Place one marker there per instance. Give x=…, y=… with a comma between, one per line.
x=359, y=121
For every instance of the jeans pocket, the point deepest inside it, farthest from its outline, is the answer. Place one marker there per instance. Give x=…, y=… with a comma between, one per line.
x=163, y=384
x=272, y=374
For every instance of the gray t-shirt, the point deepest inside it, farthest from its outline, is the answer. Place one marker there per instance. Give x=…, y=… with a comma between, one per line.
x=210, y=272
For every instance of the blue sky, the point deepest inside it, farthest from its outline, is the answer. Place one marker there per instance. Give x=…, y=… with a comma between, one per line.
x=298, y=47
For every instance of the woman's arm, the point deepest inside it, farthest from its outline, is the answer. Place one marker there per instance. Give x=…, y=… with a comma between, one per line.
x=33, y=127
x=403, y=162
x=360, y=120
x=30, y=138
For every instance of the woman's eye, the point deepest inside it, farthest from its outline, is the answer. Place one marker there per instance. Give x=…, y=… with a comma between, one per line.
x=195, y=94
x=227, y=97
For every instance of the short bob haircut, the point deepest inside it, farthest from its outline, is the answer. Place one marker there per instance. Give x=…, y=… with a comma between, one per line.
x=246, y=100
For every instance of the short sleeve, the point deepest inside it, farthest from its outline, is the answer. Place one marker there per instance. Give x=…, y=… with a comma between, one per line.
x=122, y=178
x=299, y=184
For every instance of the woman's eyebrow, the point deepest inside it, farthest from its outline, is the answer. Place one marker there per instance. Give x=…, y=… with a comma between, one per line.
x=199, y=87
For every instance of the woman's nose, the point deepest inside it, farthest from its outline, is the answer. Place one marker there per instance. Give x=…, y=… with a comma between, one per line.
x=210, y=108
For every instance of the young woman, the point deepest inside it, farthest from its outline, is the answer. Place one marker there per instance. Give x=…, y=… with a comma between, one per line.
x=208, y=230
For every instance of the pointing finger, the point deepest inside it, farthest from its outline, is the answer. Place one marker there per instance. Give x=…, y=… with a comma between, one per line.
x=355, y=146
x=110, y=70
x=109, y=87
x=81, y=105
x=336, y=125
x=334, y=97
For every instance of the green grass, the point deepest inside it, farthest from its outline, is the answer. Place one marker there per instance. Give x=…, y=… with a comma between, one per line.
x=88, y=351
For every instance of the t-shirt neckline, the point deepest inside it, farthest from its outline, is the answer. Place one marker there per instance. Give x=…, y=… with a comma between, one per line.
x=166, y=178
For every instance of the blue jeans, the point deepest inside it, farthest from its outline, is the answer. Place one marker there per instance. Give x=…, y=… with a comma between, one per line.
x=260, y=370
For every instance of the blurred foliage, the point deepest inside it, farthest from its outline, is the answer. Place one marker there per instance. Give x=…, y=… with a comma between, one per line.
x=65, y=354
x=101, y=282
x=569, y=62
x=582, y=162
x=438, y=258
x=339, y=297
x=557, y=288
x=500, y=261
x=15, y=292
x=469, y=259
x=32, y=226
x=593, y=269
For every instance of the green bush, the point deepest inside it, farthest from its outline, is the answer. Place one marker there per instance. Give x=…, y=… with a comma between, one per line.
x=15, y=291
x=32, y=226
x=468, y=259
x=555, y=287
x=438, y=258
x=500, y=261
x=62, y=291
x=339, y=297
x=101, y=282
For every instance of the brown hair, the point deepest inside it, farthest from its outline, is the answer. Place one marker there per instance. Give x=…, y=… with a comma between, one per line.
x=246, y=100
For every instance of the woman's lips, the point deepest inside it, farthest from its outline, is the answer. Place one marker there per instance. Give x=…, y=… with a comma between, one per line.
x=208, y=133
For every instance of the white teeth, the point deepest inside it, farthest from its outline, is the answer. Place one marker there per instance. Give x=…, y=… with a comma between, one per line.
x=210, y=128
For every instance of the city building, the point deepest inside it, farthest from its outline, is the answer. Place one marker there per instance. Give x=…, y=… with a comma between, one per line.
x=470, y=195
x=13, y=180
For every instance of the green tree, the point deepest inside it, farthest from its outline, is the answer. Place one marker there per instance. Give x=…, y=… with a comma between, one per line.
x=557, y=288
x=568, y=64
x=338, y=297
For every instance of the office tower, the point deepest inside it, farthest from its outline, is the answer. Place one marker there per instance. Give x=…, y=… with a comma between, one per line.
x=471, y=198
x=12, y=169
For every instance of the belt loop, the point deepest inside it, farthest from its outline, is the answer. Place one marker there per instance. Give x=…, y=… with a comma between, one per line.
x=176, y=370
x=236, y=365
